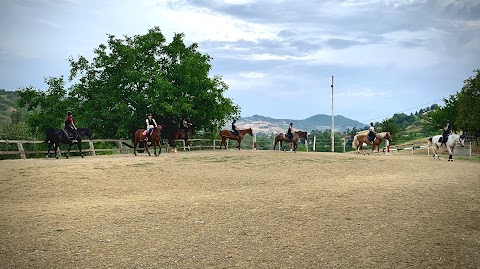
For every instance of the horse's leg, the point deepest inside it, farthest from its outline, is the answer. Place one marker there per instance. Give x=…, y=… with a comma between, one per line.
x=450, y=153
x=146, y=148
x=49, y=146
x=135, y=144
x=436, y=154
x=79, y=145
x=68, y=150
x=56, y=150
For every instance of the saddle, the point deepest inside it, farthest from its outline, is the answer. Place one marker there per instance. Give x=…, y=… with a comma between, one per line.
x=233, y=134
x=69, y=135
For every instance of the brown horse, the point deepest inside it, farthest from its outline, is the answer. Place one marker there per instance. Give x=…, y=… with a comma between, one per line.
x=177, y=134
x=154, y=140
x=362, y=137
x=282, y=138
x=228, y=134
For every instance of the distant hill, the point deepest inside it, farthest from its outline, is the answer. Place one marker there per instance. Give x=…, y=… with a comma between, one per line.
x=7, y=105
x=319, y=122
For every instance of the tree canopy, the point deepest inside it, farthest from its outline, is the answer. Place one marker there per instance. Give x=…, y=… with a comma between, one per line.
x=126, y=79
x=461, y=109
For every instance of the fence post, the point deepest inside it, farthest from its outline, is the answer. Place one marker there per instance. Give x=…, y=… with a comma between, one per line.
x=344, y=146
x=413, y=147
x=22, y=151
x=120, y=146
x=227, y=143
x=213, y=144
x=254, y=141
x=183, y=143
x=314, y=143
x=470, y=153
x=92, y=148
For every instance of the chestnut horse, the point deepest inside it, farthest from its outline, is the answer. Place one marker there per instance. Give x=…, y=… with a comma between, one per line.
x=154, y=140
x=282, y=138
x=177, y=134
x=227, y=134
x=362, y=137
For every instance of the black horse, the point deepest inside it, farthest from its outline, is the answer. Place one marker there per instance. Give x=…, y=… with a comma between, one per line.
x=57, y=137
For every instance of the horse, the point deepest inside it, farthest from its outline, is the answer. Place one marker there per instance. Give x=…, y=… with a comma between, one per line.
x=154, y=140
x=362, y=137
x=178, y=133
x=57, y=137
x=452, y=141
x=282, y=138
x=227, y=134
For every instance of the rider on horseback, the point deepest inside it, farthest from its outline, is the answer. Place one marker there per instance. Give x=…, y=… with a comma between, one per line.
x=70, y=127
x=151, y=124
x=289, y=134
x=234, y=128
x=371, y=133
x=446, y=133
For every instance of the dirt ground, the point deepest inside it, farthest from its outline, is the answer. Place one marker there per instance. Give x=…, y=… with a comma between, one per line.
x=249, y=209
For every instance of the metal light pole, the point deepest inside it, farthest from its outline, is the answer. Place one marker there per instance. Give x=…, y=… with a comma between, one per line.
x=333, y=123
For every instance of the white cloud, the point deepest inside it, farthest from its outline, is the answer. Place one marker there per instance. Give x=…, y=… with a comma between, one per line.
x=361, y=93
x=253, y=75
x=203, y=24
x=239, y=2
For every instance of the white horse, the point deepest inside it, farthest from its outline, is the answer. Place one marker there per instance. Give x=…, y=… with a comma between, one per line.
x=452, y=141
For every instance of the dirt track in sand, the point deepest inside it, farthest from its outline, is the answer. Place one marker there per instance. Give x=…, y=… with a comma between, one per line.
x=240, y=209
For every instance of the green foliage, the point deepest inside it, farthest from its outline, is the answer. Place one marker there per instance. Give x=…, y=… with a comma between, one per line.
x=47, y=109
x=390, y=125
x=449, y=112
x=461, y=109
x=7, y=106
x=469, y=104
x=128, y=78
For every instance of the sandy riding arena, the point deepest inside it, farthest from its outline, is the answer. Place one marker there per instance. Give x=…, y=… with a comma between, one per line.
x=249, y=209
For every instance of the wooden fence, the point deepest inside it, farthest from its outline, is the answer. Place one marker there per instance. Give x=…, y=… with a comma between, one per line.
x=120, y=146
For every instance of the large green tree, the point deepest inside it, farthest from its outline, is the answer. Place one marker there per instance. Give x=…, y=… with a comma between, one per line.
x=131, y=76
x=389, y=125
x=469, y=104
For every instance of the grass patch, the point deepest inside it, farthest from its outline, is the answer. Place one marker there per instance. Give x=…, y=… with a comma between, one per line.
x=473, y=158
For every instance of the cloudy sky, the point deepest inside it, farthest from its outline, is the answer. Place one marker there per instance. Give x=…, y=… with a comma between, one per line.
x=277, y=56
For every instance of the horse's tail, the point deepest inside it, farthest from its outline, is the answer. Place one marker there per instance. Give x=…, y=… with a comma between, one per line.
x=355, y=142
x=128, y=145
x=48, y=133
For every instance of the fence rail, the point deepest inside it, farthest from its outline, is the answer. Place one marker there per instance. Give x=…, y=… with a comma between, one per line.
x=248, y=143
x=120, y=146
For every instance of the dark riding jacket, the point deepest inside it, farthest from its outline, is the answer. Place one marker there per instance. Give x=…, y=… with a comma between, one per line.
x=235, y=129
